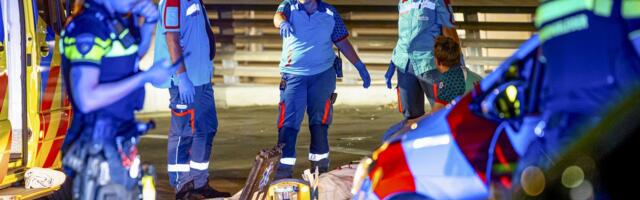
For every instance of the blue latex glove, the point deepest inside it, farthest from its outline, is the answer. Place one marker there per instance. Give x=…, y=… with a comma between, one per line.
x=390, y=71
x=364, y=74
x=286, y=29
x=186, y=89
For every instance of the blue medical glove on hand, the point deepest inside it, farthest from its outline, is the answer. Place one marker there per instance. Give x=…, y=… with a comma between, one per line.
x=390, y=71
x=286, y=29
x=364, y=74
x=186, y=89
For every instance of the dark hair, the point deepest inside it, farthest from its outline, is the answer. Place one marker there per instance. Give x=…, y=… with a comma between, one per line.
x=447, y=51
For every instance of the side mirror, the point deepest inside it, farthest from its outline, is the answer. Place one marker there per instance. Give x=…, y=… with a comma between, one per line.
x=505, y=102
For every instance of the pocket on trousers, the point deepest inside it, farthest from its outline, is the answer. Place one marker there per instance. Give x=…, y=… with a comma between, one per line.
x=182, y=122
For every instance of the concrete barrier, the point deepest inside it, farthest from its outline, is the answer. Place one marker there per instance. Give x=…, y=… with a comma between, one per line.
x=157, y=100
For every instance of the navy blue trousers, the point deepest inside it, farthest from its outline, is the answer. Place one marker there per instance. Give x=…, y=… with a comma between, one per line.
x=191, y=137
x=297, y=95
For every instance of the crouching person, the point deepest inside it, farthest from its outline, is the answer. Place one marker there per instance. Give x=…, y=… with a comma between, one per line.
x=451, y=81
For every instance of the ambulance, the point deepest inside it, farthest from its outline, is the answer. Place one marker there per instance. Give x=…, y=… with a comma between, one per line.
x=35, y=111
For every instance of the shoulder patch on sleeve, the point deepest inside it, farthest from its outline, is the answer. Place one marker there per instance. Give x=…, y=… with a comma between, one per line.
x=172, y=14
x=84, y=43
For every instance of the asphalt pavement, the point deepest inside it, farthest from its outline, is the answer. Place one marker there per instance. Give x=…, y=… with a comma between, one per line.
x=243, y=132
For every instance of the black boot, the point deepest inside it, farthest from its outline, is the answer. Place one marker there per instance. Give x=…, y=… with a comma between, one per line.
x=322, y=165
x=284, y=171
x=319, y=146
x=185, y=191
x=207, y=192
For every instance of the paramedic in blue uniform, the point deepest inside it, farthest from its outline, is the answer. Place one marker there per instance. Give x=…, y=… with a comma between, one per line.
x=100, y=47
x=419, y=24
x=585, y=73
x=309, y=29
x=184, y=30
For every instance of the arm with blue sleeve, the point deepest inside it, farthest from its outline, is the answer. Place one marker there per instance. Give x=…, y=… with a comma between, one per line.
x=445, y=18
x=171, y=23
x=340, y=39
x=88, y=93
x=280, y=19
x=391, y=70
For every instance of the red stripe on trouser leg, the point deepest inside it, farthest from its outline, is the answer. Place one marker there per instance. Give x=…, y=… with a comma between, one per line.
x=282, y=114
x=191, y=119
x=327, y=109
x=399, y=100
x=395, y=174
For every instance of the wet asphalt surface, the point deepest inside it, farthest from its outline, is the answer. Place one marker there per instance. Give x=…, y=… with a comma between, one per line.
x=243, y=132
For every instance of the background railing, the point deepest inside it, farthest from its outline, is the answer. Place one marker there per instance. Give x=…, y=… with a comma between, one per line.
x=249, y=46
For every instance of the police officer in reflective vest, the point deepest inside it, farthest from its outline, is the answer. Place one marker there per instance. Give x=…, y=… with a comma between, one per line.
x=101, y=46
x=585, y=74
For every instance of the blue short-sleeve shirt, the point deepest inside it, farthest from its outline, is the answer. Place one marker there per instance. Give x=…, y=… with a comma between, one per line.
x=309, y=50
x=186, y=17
x=420, y=22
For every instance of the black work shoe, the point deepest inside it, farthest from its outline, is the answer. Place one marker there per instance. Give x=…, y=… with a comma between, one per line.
x=322, y=165
x=208, y=192
x=185, y=192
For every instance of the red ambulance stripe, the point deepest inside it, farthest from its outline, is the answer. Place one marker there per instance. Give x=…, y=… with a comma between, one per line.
x=47, y=102
x=8, y=147
x=3, y=88
x=473, y=134
x=50, y=89
x=57, y=143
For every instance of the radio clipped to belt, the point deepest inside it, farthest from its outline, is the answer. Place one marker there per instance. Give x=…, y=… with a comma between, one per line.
x=337, y=65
